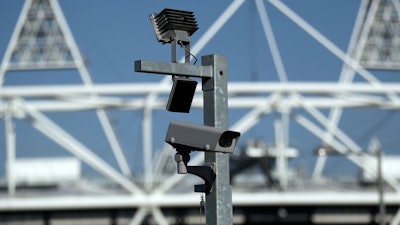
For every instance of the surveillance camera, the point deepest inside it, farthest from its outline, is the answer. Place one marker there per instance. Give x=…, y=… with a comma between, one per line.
x=188, y=136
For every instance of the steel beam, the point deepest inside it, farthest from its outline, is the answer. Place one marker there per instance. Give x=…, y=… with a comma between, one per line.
x=61, y=137
x=235, y=88
x=11, y=150
x=262, y=198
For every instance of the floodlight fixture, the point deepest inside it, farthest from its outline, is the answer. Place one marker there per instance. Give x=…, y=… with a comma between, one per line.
x=172, y=24
x=175, y=27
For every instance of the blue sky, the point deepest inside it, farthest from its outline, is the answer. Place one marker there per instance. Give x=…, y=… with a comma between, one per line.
x=112, y=34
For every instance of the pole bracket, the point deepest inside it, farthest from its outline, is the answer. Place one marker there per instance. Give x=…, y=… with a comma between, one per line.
x=207, y=173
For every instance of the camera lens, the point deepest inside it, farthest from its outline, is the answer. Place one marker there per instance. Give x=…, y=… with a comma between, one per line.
x=225, y=140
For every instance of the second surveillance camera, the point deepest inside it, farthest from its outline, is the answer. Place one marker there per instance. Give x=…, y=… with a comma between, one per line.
x=187, y=136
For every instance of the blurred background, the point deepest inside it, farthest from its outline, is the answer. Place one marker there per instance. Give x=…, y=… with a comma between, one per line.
x=313, y=89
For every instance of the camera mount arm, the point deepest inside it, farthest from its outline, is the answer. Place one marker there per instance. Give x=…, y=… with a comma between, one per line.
x=205, y=172
x=179, y=69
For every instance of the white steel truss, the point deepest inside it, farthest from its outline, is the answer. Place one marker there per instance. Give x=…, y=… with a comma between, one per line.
x=42, y=40
x=57, y=50
x=379, y=37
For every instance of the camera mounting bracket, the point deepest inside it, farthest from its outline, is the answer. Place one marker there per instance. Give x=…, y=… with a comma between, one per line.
x=205, y=172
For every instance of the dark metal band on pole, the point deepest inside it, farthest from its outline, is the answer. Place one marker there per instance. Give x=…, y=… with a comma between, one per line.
x=215, y=98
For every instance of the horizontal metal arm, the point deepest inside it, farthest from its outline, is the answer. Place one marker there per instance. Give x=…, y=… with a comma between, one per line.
x=180, y=69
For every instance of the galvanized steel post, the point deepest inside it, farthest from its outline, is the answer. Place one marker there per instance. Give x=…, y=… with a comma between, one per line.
x=215, y=98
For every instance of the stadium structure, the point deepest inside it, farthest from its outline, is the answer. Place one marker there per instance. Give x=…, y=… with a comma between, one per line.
x=266, y=189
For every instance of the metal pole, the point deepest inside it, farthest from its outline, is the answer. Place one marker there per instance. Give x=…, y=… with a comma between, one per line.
x=382, y=210
x=215, y=97
x=11, y=151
